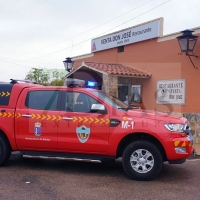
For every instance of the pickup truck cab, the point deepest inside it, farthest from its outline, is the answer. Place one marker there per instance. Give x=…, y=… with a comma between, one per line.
x=87, y=124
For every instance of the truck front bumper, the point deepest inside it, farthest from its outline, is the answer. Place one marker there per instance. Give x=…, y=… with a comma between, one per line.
x=181, y=149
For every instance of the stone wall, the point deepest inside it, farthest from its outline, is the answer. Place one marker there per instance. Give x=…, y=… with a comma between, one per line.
x=194, y=119
x=110, y=85
x=106, y=81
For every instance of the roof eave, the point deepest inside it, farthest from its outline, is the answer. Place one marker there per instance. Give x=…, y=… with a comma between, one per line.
x=130, y=76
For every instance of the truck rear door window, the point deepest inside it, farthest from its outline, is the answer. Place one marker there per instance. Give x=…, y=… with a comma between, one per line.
x=5, y=92
x=42, y=100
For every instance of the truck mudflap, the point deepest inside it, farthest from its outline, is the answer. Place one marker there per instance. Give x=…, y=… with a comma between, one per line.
x=177, y=161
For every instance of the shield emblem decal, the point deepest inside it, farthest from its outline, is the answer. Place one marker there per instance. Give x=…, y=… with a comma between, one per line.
x=37, y=129
x=83, y=133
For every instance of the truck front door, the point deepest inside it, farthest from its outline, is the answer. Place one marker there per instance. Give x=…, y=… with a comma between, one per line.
x=36, y=119
x=80, y=130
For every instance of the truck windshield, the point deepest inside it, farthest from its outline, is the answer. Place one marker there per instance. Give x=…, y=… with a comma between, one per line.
x=113, y=101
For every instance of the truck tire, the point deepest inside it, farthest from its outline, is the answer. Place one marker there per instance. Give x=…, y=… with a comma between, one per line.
x=142, y=160
x=5, y=150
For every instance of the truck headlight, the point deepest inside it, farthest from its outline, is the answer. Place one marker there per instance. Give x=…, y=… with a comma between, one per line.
x=175, y=127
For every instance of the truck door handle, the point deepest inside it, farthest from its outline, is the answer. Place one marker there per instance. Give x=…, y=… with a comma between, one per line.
x=25, y=115
x=68, y=118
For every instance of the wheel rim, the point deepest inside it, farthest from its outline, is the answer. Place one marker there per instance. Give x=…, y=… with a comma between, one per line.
x=142, y=161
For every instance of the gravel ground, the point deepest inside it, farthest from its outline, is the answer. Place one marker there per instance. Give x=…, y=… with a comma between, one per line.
x=35, y=179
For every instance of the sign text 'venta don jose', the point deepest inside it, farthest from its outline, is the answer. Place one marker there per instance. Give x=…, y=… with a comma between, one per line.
x=132, y=35
x=122, y=36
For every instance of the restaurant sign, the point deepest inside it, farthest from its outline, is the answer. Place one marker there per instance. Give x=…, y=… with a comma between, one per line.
x=132, y=35
x=171, y=92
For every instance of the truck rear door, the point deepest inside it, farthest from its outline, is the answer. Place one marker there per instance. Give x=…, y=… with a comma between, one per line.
x=37, y=119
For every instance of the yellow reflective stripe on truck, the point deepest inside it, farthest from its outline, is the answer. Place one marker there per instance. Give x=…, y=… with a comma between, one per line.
x=57, y=117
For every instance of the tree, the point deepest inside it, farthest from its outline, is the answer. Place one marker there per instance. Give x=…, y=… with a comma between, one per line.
x=46, y=76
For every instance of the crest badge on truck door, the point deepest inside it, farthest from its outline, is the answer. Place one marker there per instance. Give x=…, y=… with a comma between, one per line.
x=37, y=129
x=83, y=133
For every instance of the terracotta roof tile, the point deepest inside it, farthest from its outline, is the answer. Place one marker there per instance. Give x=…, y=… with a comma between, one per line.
x=118, y=69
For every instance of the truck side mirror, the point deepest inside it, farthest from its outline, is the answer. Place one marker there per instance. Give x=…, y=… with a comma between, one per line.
x=98, y=108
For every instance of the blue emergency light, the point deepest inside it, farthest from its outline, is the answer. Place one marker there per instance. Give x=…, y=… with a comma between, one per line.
x=91, y=84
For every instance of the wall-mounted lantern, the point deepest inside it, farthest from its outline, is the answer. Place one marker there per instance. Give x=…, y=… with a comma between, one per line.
x=187, y=42
x=68, y=63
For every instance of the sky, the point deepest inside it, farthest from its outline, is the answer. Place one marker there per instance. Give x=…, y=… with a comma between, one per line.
x=41, y=34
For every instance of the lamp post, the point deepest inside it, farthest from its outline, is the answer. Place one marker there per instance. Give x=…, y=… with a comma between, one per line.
x=68, y=63
x=187, y=42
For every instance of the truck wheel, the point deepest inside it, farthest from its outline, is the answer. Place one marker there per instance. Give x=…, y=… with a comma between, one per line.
x=142, y=160
x=5, y=150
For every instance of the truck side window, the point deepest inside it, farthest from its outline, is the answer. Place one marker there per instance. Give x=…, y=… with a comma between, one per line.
x=42, y=100
x=79, y=102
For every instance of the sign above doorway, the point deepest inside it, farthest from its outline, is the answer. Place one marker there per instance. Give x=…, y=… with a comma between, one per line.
x=145, y=31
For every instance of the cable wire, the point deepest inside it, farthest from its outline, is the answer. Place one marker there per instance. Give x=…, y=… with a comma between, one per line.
x=85, y=31
x=3, y=60
x=96, y=35
x=101, y=33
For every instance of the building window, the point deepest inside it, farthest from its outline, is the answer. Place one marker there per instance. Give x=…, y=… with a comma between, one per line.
x=136, y=93
x=120, y=49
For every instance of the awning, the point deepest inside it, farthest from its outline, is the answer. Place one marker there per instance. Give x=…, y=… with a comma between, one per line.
x=113, y=69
